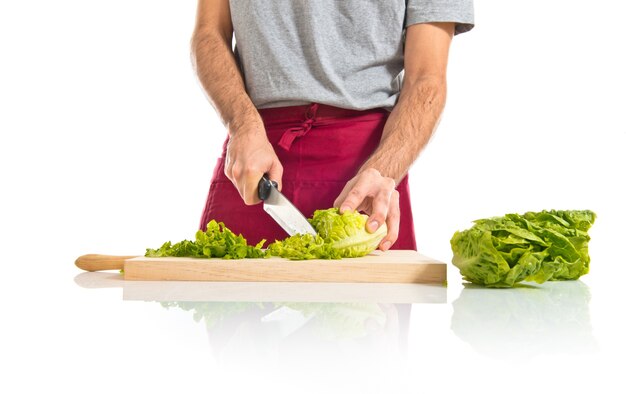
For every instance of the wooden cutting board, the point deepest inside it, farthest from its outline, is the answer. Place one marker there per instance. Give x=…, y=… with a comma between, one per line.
x=393, y=266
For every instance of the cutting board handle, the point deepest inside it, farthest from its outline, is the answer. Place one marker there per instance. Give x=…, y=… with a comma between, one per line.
x=101, y=262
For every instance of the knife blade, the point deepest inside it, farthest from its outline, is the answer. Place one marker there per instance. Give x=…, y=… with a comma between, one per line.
x=282, y=210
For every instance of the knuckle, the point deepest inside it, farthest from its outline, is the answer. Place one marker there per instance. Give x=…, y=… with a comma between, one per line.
x=236, y=171
x=393, y=219
x=250, y=174
x=371, y=172
x=249, y=200
x=382, y=198
x=389, y=183
x=356, y=193
x=247, y=170
x=377, y=216
x=395, y=204
x=380, y=213
x=380, y=206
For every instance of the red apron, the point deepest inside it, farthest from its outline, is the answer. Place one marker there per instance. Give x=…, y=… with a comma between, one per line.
x=321, y=148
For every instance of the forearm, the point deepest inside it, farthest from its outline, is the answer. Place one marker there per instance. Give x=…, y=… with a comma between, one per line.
x=249, y=155
x=409, y=127
x=217, y=70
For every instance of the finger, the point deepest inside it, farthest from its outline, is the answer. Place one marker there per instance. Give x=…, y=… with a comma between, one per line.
x=275, y=173
x=393, y=222
x=343, y=194
x=250, y=186
x=229, y=163
x=234, y=172
x=380, y=207
x=355, y=196
x=228, y=169
x=240, y=185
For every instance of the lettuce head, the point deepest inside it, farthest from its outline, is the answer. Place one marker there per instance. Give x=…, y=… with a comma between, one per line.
x=535, y=246
x=339, y=235
x=346, y=232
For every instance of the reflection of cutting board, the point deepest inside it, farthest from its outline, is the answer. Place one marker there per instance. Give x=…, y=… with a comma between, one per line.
x=394, y=266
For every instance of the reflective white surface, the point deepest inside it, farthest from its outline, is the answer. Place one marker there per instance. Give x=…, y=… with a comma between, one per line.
x=263, y=291
x=107, y=144
x=81, y=331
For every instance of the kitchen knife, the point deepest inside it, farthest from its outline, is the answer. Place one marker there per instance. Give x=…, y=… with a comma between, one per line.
x=282, y=210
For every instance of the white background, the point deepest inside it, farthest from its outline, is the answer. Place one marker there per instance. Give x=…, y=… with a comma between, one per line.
x=108, y=143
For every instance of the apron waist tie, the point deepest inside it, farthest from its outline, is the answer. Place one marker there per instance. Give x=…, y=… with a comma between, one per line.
x=290, y=135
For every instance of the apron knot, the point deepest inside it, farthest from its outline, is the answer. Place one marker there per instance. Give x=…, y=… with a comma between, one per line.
x=290, y=135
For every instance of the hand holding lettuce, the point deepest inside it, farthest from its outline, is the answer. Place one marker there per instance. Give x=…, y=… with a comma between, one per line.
x=535, y=246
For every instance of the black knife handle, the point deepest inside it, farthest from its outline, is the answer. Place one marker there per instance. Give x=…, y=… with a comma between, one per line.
x=265, y=187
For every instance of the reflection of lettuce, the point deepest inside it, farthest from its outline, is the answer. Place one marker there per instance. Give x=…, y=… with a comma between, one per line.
x=332, y=320
x=213, y=313
x=502, y=251
x=339, y=235
x=525, y=321
x=340, y=320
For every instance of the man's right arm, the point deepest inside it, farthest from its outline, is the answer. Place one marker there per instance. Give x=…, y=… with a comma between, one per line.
x=249, y=154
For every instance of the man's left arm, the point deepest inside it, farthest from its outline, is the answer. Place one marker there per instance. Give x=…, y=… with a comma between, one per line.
x=407, y=130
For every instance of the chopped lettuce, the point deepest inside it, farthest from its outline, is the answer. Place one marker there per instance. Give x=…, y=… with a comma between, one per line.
x=535, y=246
x=216, y=241
x=339, y=235
x=303, y=247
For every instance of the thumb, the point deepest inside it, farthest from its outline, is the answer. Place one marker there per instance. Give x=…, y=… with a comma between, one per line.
x=275, y=173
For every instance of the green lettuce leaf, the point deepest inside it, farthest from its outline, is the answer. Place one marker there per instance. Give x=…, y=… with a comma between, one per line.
x=346, y=231
x=303, y=247
x=339, y=235
x=535, y=246
x=216, y=241
x=340, y=320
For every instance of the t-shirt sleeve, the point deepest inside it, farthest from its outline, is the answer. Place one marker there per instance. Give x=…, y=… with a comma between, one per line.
x=459, y=11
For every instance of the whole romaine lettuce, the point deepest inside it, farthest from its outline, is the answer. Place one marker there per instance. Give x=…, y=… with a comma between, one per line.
x=535, y=246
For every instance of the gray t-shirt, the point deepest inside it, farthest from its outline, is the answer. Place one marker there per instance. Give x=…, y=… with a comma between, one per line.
x=345, y=53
